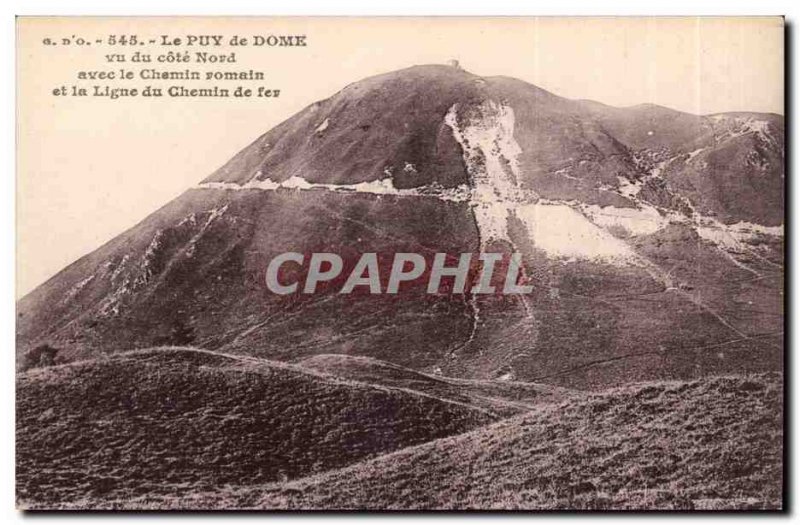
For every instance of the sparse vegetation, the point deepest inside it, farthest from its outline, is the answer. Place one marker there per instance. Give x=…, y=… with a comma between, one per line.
x=180, y=428
x=171, y=421
x=504, y=398
x=710, y=443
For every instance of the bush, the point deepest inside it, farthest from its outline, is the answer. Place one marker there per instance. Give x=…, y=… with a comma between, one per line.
x=41, y=356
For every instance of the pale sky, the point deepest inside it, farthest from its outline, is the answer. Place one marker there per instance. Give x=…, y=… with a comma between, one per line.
x=90, y=168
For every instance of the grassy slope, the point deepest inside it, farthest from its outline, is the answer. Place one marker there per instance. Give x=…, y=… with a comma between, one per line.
x=176, y=421
x=500, y=397
x=711, y=443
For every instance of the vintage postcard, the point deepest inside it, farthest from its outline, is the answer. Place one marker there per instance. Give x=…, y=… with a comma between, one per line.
x=400, y=263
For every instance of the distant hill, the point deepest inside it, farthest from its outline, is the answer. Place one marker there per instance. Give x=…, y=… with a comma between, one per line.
x=653, y=239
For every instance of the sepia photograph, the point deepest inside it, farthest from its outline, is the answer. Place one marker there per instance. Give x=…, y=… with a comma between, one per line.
x=400, y=263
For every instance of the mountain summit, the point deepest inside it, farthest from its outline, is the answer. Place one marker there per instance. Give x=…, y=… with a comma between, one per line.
x=653, y=238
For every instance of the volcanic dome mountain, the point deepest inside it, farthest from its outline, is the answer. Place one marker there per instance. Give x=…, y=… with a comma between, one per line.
x=653, y=239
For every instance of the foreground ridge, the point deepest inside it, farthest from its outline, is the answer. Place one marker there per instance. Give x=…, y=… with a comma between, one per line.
x=710, y=443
